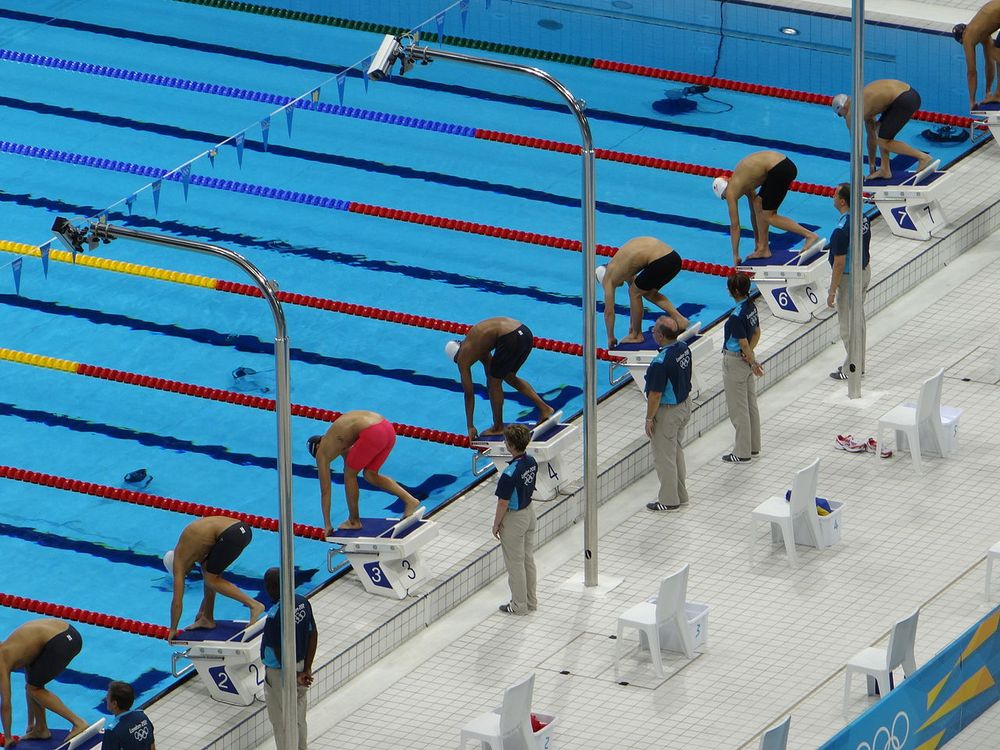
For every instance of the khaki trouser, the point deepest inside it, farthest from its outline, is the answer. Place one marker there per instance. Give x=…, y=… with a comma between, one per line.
x=844, y=304
x=741, y=401
x=668, y=456
x=517, y=540
x=275, y=709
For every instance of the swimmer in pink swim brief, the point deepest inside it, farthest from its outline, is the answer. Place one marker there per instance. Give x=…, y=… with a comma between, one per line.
x=365, y=439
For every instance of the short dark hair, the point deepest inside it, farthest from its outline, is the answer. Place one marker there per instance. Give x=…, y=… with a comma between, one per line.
x=738, y=284
x=844, y=192
x=517, y=436
x=272, y=583
x=122, y=694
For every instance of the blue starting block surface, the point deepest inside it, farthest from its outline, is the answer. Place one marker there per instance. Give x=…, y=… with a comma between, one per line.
x=58, y=740
x=987, y=107
x=901, y=178
x=224, y=630
x=779, y=257
x=646, y=343
x=547, y=432
x=379, y=528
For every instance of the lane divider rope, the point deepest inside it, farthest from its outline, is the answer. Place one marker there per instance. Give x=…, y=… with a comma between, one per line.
x=431, y=37
x=213, y=394
x=152, y=501
x=391, y=119
x=320, y=303
x=86, y=616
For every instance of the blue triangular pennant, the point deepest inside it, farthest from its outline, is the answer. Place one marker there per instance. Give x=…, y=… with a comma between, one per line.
x=439, y=20
x=212, y=153
x=288, y=118
x=44, y=250
x=265, y=129
x=129, y=202
x=341, y=82
x=463, y=7
x=314, y=95
x=364, y=70
x=240, y=137
x=487, y=4
x=16, y=268
x=186, y=178
x=156, y=196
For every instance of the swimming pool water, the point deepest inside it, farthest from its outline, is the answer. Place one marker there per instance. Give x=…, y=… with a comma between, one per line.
x=102, y=555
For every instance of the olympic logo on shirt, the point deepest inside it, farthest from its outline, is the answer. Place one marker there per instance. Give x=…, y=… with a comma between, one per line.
x=890, y=739
x=140, y=731
x=300, y=613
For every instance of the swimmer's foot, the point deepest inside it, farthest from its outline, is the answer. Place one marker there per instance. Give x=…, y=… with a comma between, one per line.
x=924, y=161
x=350, y=524
x=765, y=253
x=37, y=734
x=545, y=413
x=880, y=175
x=410, y=505
x=632, y=338
x=494, y=430
x=201, y=623
x=77, y=729
x=256, y=610
x=682, y=322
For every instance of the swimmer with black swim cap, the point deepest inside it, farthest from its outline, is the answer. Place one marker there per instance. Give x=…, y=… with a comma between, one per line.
x=645, y=265
x=978, y=32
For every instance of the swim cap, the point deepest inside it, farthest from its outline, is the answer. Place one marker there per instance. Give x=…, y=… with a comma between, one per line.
x=719, y=185
x=312, y=444
x=599, y=273
x=958, y=32
x=839, y=103
x=451, y=350
x=168, y=563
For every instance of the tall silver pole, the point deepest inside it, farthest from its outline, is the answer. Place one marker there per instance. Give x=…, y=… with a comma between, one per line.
x=588, y=209
x=290, y=728
x=854, y=352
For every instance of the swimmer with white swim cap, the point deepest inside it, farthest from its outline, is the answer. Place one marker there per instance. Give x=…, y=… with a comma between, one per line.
x=977, y=32
x=763, y=178
x=502, y=345
x=645, y=265
x=896, y=102
x=214, y=543
x=364, y=439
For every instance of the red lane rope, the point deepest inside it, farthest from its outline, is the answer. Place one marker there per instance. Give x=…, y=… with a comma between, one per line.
x=256, y=402
x=756, y=88
x=417, y=321
x=84, y=615
x=153, y=501
x=636, y=159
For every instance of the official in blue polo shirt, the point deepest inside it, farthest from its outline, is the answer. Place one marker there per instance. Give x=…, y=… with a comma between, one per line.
x=270, y=653
x=129, y=729
x=514, y=521
x=840, y=279
x=739, y=366
x=668, y=409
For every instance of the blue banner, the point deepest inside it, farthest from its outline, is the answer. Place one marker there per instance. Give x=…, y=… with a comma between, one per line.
x=156, y=196
x=265, y=129
x=936, y=702
x=186, y=178
x=240, y=138
x=44, y=250
x=364, y=70
x=15, y=267
x=341, y=82
x=288, y=118
x=463, y=7
x=439, y=20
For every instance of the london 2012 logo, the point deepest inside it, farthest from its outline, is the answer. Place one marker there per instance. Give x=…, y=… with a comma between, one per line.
x=890, y=738
x=140, y=731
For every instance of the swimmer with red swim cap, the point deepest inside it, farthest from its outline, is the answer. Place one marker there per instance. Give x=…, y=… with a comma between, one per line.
x=977, y=33
x=365, y=439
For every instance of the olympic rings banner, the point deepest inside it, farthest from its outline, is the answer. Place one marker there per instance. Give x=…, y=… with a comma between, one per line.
x=936, y=702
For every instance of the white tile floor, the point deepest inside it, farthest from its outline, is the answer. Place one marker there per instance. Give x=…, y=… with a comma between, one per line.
x=778, y=637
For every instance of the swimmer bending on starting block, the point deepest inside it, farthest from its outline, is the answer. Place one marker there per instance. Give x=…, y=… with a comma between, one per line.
x=502, y=345
x=896, y=102
x=977, y=33
x=365, y=439
x=773, y=173
x=43, y=649
x=646, y=265
x=214, y=542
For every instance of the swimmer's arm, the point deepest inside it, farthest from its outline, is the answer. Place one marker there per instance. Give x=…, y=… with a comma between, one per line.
x=5, y=717
x=971, y=75
x=872, y=131
x=465, y=373
x=177, y=602
x=323, y=470
x=609, y=312
x=734, y=227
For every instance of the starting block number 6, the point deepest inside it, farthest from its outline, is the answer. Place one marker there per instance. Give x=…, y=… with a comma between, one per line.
x=784, y=299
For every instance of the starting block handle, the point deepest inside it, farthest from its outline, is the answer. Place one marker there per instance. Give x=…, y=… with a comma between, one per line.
x=690, y=332
x=477, y=468
x=176, y=657
x=929, y=169
x=814, y=249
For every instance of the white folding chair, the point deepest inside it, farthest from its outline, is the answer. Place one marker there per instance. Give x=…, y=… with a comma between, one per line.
x=908, y=419
x=877, y=663
x=776, y=738
x=992, y=554
x=783, y=514
x=506, y=728
x=663, y=621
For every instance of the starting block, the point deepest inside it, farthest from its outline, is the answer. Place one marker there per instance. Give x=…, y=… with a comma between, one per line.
x=796, y=289
x=549, y=440
x=911, y=203
x=91, y=737
x=987, y=115
x=227, y=658
x=637, y=357
x=385, y=552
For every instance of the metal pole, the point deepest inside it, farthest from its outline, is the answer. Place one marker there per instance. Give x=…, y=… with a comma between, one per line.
x=854, y=347
x=577, y=106
x=290, y=728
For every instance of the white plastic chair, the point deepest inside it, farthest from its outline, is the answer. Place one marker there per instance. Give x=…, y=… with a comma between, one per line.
x=907, y=419
x=667, y=620
x=784, y=514
x=877, y=663
x=776, y=738
x=992, y=554
x=508, y=727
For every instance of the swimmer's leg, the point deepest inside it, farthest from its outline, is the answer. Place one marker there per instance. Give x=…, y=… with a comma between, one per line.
x=205, y=619
x=351, y=493
x=789, y=225
x=494, y=387
x=661, y=301
x=37, y=727
x=48, y=700
x=388, y=484
x=635, y=312
x=214, y=582
x=899, y=147
x=523, y=387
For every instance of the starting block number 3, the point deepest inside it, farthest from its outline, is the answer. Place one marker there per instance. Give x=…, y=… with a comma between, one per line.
x=378, y=577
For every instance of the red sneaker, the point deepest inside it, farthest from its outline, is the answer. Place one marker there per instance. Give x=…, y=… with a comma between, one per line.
x=843, y=441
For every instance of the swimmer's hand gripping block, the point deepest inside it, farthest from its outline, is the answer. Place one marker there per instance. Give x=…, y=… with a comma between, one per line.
x=386, y=553
x=227, y=659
